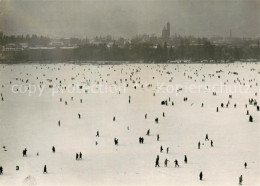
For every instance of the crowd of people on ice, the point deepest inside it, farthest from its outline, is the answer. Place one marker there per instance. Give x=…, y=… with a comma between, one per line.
x=251, y=101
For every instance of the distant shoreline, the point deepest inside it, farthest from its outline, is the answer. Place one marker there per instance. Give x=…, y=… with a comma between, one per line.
x=115, y=62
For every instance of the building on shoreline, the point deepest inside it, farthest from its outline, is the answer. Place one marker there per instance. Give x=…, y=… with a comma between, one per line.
x=166, y=32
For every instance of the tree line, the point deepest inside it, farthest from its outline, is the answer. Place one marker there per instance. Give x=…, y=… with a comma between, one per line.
x=158, y=53
x=204, y=49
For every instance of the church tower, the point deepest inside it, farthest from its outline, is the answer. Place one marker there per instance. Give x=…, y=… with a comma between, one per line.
x=168, y=29
x=166, y=32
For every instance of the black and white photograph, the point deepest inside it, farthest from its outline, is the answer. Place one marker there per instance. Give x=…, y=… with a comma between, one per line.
x=129, y=92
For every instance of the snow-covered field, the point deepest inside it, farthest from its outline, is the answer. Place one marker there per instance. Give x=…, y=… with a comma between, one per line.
x=30, y=120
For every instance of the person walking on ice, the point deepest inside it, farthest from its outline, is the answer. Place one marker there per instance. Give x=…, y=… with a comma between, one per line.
x=53, y=149
x=24, y=152
x=161, y=149
x=157, y=162
x=176, y=163
x=185, y=159
x=201, y=176
x=240, y=180
x=165, y=162
x=1, y=170
x=45, y=169
x=199, y=145
x=140, y=140
x=80, y=156
x=250, y=118
x=245, y=165
x=207, y=137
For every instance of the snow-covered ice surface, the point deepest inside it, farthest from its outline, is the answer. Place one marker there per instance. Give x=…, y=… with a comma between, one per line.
x=32, y=122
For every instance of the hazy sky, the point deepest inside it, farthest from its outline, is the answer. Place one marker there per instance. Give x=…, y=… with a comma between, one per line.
x=81, y=18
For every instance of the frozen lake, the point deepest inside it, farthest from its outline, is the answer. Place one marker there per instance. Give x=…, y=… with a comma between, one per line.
x=29, y=119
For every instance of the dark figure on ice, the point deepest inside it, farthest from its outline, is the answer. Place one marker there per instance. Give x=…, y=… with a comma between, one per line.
x=157, y=162
x=163, y=114
x=217, y=109
x=114, y=118
x=45, y=169
x=250, y=118
x=185, y=159
x=167, y=150
x=211, y=143
x=79, y=116
x=59, y=123
x=1, y=170
x=80, y=156
x=240, y=180
x=176, y=163
x=156, y=120
x=145, y=116
x=201, y=176
x=24, y=152
x=97, y=134
x=53, y=149
x=148, y=132
x=116, y=141
x=247, y=112
x=158, y=137
x=245, y=165
x=199, y=145
x=77, y=156
x=207, y=137
x=165, y=162
x=161, y=149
